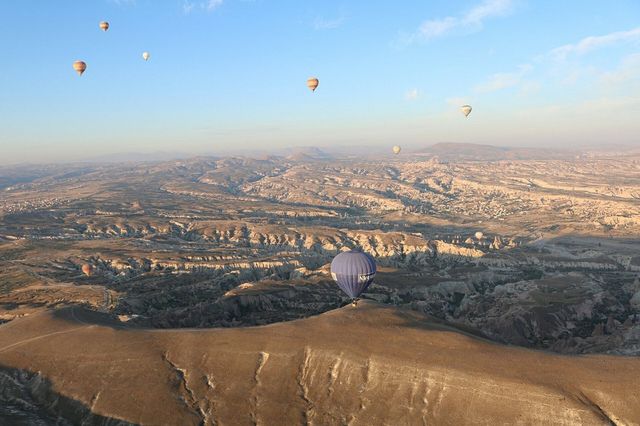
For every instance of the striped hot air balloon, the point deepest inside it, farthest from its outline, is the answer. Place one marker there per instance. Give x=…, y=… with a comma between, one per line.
x=79, y=66
x=353, y=271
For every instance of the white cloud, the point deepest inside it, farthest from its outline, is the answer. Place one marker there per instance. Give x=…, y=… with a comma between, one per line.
x=471, y=20
x=187, y=7
x=530, y=87
x=208, y=6
x=600, y=105
x=457, y=102
x=436, y=28
x=488, y=9
x=566, y=72
x=590, y=43
x=412, y=95
x=212, y=4
x=505, y=80
x=628, y=70
x=328, y=24
x=123, y=2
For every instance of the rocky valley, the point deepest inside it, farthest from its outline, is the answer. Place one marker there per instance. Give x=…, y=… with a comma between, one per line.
x=234, y=243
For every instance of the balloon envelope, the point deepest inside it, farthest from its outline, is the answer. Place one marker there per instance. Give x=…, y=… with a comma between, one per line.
x=104, y=25
x=79, y=66
x=479, y=235
x=313, y=83
x=396, y=149
x=466, y=110
x=87, y=269
x=146, y=56
x=353, y=271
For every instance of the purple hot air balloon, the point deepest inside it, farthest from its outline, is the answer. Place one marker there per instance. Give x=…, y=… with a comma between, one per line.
x=353, y=271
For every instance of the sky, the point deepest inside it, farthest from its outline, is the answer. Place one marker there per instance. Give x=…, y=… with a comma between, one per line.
x=231, y=75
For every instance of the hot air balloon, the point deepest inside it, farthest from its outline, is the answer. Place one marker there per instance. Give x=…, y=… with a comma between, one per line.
x=396, y=149
x=79, y=66
x=312, y=83
x=479, y=235
x=146, y=56
x=353, y=271
x=87, y=269
x=466, y=110
x=104, y=25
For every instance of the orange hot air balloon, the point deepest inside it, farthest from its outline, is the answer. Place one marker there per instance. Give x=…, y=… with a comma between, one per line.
x=79, y=66
x=312, y=83
x=87, y=269
x=104, y=25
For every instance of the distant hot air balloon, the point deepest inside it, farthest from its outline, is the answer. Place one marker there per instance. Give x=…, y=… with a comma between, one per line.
x=87, y=269
x=312, y=83
x=479, y=235
x=466, y=110
x=396, y=149
x=104, y=25
x=146, y=56
x=79, y=66
x=353, y=271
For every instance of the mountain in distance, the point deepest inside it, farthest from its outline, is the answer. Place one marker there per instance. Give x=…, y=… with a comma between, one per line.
x=308, y=153
x=447, y=151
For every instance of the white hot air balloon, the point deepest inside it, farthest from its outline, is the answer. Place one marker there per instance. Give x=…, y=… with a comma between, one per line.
x=479, y=235
x=146, y=56
x=466, y=110
x=396, y=149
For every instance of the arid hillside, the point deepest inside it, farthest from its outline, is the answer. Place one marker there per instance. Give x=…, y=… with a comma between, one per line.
x=359, y=366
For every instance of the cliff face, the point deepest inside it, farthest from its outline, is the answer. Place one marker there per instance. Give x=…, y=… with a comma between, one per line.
x=382, y=244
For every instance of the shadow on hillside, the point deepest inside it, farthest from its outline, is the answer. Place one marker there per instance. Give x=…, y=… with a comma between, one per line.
x=28, y=399
x=83, y=314
x=532, y=296
x=416, y=319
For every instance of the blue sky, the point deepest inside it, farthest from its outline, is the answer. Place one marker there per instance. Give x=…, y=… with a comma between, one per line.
x=230, y=74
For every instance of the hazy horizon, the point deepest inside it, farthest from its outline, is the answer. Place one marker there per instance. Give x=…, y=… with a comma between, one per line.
x=230, y=75
x=347, y=151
